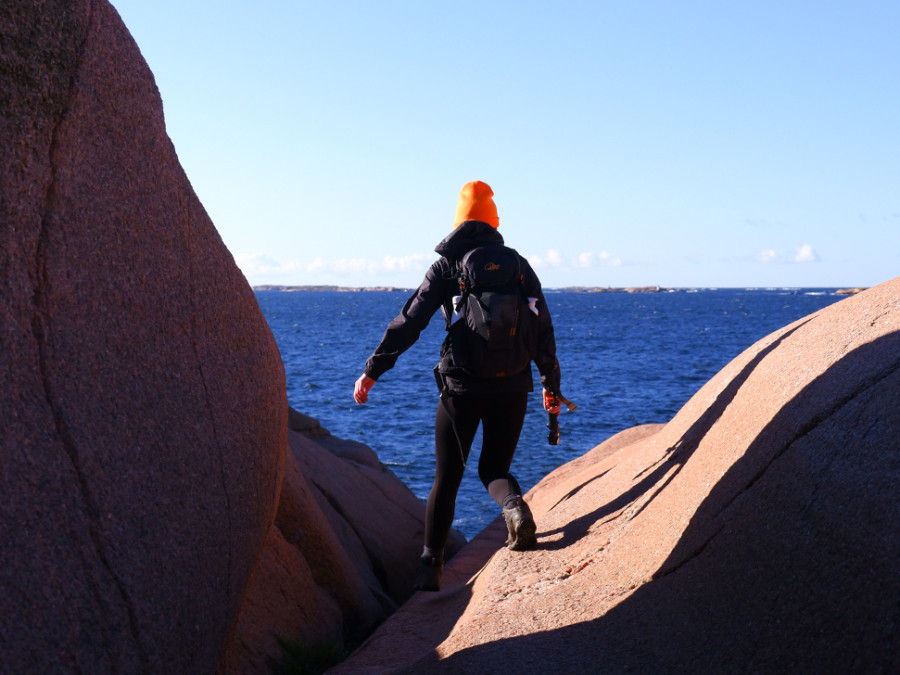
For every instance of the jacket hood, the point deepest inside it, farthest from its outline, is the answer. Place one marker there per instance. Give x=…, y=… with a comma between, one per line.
x=466, y=236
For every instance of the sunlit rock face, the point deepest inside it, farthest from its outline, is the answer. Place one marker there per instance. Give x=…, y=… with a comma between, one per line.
x=755, y=532
x=143, y=408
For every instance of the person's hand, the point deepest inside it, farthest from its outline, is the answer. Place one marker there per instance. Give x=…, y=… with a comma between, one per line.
x=551, y=403
x=361, y=388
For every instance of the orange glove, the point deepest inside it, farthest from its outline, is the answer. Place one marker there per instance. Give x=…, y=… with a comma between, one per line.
x=551, y=403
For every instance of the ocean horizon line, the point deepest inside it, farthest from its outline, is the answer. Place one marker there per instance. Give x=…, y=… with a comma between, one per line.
x=288, y=288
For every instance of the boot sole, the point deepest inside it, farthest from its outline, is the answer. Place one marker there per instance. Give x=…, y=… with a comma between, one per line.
x=525, y=536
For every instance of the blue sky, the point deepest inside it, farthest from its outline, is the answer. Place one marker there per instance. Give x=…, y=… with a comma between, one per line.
x=705, y=144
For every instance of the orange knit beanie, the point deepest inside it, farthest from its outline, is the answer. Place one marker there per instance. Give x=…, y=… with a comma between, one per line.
x=476, y=203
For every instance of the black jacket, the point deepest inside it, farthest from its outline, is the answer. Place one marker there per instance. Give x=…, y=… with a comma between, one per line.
x=438, y=287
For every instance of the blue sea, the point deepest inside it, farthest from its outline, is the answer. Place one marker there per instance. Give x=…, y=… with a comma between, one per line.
x=626, y=359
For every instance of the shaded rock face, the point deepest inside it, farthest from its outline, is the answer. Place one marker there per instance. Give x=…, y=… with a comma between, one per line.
x=340, y=557
x=755, y=532
x=143, y=409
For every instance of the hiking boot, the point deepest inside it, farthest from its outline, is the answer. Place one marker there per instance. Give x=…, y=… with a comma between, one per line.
x=520, y=524
x=428, y=578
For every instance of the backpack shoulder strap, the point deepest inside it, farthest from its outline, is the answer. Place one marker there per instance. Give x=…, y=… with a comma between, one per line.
x=453, y=301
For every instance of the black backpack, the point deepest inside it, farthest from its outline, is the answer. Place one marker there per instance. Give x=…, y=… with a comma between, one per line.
x=491, y=323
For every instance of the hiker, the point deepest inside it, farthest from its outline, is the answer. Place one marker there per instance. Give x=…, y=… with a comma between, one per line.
x=495, y=400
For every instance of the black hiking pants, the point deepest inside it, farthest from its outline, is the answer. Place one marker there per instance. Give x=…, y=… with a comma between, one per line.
x=501, y=416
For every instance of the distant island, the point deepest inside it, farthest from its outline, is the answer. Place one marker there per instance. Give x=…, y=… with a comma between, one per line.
x=567, y=289
x=363, y=289
x=627, y=289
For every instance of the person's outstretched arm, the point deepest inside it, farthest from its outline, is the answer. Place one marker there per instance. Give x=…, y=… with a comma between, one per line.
x=403, y=330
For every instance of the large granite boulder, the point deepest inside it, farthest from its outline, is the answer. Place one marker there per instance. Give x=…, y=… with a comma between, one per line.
x=755, y=532
x=340, y=557
x=143, y=410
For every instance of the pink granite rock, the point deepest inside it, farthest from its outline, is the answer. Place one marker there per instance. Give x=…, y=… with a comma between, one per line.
x=143, y=407
x=153, y=520
x=756, y=531
x=340, y=559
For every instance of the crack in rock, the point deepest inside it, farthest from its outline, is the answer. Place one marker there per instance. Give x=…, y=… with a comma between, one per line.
x=41, y=330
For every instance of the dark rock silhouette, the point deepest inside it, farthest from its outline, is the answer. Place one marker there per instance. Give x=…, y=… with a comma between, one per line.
x=143, y=407
x=340, y=558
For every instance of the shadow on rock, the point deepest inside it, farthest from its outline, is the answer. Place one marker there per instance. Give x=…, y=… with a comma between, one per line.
x=679, y=454
x=790, y=563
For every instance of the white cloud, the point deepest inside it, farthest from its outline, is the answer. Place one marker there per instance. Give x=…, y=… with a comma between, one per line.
x=767, y=256
x=316, y=265
x=409, y=262
x=351, y=265
x=607, y=259
x=584, y=260
x=591, y=259
x=805, y=253
x=258, y=266
x=555, y=258
x=801, y=254
x=535, y=261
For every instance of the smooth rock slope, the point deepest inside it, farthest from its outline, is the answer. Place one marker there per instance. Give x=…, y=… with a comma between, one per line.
x=755, y=532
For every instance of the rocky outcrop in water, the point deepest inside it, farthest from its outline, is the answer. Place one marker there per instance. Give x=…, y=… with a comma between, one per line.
x=755, y=532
